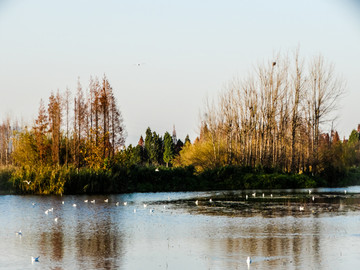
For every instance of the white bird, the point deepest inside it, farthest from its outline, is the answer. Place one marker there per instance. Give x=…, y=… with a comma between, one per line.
x=35, y=259
x=145, y=205
x=33, y=203
x=47, y=212
x=263, y=195
x=254, y=194
x=134, y=210
x=271, y=195
x=62, y=202
x=156, y=170
x=301, y=208
x=210, y=200
x=246, y=196
x=56, y=219
x=313, y=198
x=345, y=191
x=27, y=182
x=197, y=202
x=164, y=206
x=19, y=232
x=117, y=203
x=51, y=209
x=106, y=200
x=125, y=203
x=86, y=201
x=309, y=191
x=93, y=201
x=248, y=261
x=74, y=204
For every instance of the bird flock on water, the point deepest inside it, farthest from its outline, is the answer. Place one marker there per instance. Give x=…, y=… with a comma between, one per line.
x=151, y=210
x=19, y=233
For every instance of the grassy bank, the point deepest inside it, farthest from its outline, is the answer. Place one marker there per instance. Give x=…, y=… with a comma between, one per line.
x=70, y=180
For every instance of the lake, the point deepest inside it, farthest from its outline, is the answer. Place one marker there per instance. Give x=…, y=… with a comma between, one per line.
x=278, y=229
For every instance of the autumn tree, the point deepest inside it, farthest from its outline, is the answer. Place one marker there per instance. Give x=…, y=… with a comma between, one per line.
x=41, y=129
x=5, y=141
x=55, y=117
x=116, y=124
x=104, y=119
x=79, y=124
x=272, y=118
x=67, y=106
x=26, y=149
x=200, y=154
x=297, y=88
x=325, y=89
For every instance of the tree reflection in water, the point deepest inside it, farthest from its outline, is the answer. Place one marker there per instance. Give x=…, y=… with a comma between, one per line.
x=216, y=235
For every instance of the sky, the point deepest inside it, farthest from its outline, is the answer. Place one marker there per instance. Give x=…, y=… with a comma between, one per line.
x=187, y=51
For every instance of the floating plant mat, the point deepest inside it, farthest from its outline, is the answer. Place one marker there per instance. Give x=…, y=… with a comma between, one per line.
x=230, y=204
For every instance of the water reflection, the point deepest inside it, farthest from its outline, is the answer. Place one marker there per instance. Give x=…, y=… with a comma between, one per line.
x=211, y=235
x=98, y=241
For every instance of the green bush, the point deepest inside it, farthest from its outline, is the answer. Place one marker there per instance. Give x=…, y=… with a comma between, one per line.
x=6, y=184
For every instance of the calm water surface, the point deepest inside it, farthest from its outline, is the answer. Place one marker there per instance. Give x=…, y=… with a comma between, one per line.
x=280, y=229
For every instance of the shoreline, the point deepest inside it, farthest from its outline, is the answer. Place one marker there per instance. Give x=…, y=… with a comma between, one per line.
x=150, y=179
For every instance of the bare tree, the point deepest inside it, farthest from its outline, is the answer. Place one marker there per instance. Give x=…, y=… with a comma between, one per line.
x=324, y=92
x=79, y=123
x=67, y=105
x=5, y=141
x=273, y=118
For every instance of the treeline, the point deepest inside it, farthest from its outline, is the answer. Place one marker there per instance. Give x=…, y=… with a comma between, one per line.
x=153, y=151
x=76, y=145
x=274, y=118
x=85, y=131
x=69, y=133
x=265, y=131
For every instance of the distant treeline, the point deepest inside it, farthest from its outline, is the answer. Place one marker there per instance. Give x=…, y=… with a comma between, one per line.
x=275, y=118
x=265, y=131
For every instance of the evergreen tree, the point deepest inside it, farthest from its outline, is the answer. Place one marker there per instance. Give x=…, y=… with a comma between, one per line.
x=137, y=156
x=187, y=139
x=354, y=137
x=148, y=144
x=141, y=150
x=156, y=154
x=179, y=145
x=169, y=148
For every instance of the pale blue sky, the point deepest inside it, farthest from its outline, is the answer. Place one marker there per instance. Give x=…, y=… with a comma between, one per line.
x=191, y=49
